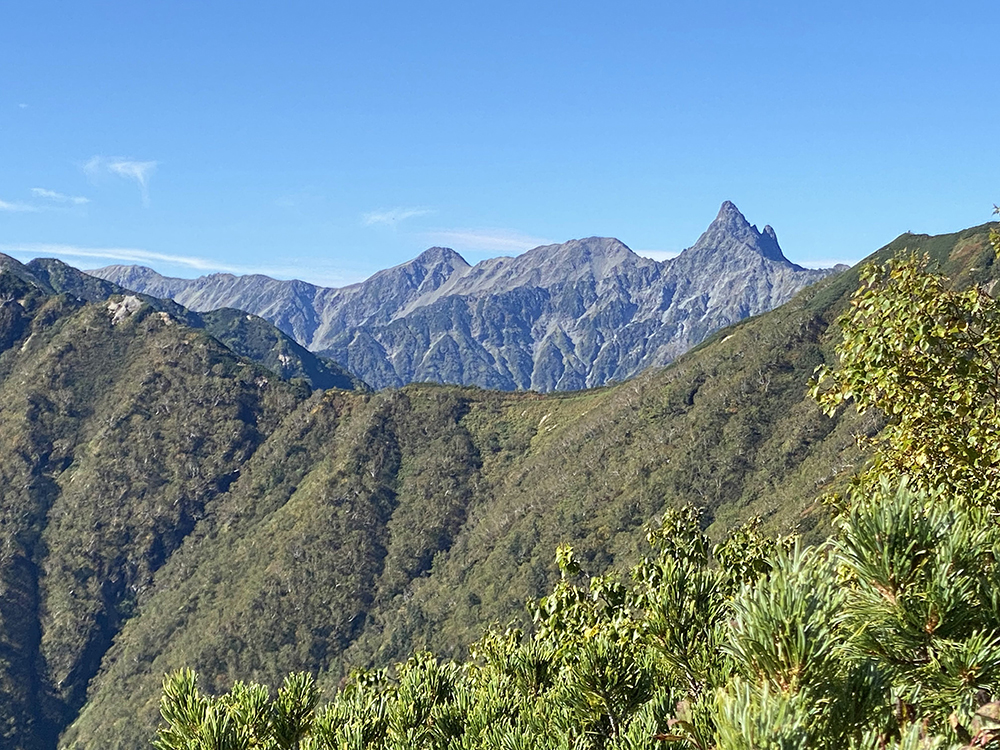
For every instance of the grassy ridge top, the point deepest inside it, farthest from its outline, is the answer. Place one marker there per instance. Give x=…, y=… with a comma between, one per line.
x=246, y=335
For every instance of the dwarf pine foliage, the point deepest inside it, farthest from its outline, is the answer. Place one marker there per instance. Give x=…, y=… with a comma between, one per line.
x=886, y=637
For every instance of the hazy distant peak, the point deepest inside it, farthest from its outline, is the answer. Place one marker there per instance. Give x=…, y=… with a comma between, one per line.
x=139, y=272
x=142, y=279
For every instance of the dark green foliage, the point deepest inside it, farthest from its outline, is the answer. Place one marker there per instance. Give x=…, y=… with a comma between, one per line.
x=810, y=654
x=256, y=339
x=245, y=718
x=926, y=599
x=64, y=279
x=370, y=526
x=118, y=436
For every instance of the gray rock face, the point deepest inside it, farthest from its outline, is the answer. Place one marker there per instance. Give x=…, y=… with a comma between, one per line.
x=559, y=317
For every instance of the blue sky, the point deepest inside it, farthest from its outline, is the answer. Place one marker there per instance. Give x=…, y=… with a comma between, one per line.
x=326, y=140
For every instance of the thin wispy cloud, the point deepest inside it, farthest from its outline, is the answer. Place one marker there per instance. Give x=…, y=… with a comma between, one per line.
x=52, y=195
x=304, y=199
x=17, y=207
x=129, y=169
x=128, y=254
x=392, y=216
x=22, y=105
x=322, y=273
x=491, y=240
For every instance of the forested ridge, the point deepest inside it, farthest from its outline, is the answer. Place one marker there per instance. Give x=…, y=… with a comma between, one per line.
x=168, y=505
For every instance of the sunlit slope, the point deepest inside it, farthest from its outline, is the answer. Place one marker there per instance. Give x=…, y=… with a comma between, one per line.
x=363, y=525
x=370, y=525
x=246, y=335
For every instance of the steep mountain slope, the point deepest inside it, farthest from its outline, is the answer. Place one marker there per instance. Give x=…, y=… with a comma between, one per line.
x=120, y=428
x=461, y=496
x=304, y=311
x=247, y=335
x=559, y=317
x=213, y=517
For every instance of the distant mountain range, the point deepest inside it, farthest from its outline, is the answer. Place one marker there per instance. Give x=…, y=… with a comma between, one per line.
x=559, y=317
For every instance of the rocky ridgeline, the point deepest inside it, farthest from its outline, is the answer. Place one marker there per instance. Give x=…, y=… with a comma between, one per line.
x=580, y=314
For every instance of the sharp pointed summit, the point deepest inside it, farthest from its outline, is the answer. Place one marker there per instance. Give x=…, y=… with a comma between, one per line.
x=731, y=234
x=729, y=213
x=440, y=256
x=769, y=246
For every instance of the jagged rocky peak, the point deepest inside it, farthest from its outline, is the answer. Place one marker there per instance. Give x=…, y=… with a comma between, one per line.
x=440, y=256
x=731, y=232
x=620, y=312
x=427, y=271
x=435, y=262
x=730, y=214
x=769, y=245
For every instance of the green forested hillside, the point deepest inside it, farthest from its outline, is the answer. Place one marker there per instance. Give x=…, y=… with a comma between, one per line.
x=885, y=638
x=219, y=519
x=372, y=525
x=117, y=437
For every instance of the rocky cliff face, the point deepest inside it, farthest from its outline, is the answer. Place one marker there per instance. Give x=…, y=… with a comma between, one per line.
x=559, y=317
